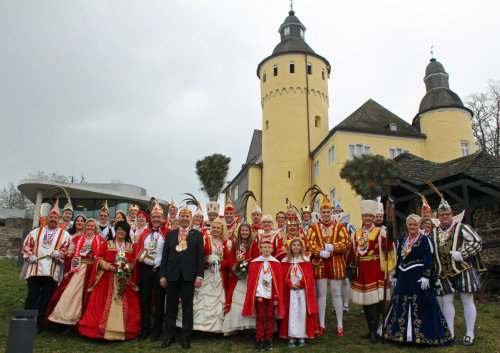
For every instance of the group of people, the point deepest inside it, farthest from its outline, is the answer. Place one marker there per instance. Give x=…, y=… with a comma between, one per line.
x=224, y=275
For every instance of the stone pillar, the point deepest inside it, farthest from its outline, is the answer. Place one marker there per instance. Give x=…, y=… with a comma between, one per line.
x=38, y=206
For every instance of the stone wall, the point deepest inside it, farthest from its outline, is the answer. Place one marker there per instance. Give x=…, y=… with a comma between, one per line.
x=487, y=224
x=11, y=236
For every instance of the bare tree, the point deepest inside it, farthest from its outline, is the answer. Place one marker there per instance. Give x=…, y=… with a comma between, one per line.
x=486, y=119
x=12, y=198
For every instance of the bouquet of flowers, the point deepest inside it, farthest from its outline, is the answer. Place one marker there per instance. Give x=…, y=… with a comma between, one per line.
x=241, y=269
x=123, y=273
x=213, y=259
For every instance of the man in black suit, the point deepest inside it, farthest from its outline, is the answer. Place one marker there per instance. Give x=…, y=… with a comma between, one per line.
x=181, y=270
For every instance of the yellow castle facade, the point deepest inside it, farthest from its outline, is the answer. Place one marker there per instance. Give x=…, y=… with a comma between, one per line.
x=295, y=148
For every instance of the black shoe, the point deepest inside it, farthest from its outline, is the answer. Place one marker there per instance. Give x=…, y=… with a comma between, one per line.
x=468, y=341
x=167, y=343
x=40, y=329
x=155, y=336
x=260, y=346
x=144, y=334
x=268, y=345
x=185, y=344
x=373, y=337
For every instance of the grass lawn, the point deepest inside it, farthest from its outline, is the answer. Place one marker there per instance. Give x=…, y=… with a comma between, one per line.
x=13, y=294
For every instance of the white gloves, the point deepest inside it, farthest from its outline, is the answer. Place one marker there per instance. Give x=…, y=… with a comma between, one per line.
x=329, y=247
x=33, y=259
x=55, y=254
x=148, y=262
x=324, y=254
x=393, y=280
x=424, y=283
x=457, y=256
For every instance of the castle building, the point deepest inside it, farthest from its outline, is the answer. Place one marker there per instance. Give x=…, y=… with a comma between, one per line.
x=295, y=149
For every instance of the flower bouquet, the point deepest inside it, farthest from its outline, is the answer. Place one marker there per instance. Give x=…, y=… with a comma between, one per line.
x=241, y=269
x=123, y=273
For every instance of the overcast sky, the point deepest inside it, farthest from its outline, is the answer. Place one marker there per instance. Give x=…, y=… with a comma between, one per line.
x=140, y=90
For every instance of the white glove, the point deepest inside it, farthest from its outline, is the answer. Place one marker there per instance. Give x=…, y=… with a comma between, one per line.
x=33, y=259
x=329, y=247
x=424, y=283
x=55, y=254
x=324, y=254
x=393, y=280
x=457, y=256
x=148, y=262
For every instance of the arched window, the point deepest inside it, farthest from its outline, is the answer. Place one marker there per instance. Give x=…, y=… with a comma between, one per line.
x=317, y=121
x=309, y=69
x=275, y=70
x=264, y=77
x=292, y=67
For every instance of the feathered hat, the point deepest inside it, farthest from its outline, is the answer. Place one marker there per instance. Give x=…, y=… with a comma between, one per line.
x=185, y=210
x=191, y=200
x=105, y=207
x=314, y=192
x=155, y=207
x=306, y=208
x=444, y=206
x=425, y=204
x=55, y=208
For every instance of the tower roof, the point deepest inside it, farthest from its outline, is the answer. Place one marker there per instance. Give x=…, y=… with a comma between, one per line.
x=292, y=33
x=438, y=93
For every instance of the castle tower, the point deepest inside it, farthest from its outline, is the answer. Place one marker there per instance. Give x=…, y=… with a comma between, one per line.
x=443, y=118
x=294, y=99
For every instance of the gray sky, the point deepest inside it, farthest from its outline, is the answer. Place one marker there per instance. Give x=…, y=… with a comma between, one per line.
x=140, y=90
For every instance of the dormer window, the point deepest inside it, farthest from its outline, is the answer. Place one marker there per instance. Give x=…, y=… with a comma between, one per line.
x=393, y=127
x=286, y=31
x=301, y=33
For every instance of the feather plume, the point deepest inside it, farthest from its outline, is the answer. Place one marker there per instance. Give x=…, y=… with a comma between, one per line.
x=60, y=190
x=313, y=192
x=434, y=188
x=244, y=198
x=191, y=200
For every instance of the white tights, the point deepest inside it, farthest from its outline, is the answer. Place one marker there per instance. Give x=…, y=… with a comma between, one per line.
x=469, y=312
x=335, y=290
x=345, y=292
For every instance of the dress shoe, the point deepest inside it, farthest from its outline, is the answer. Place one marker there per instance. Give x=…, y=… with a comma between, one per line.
x=155, y=336
x=185, y=344
x=373, y=337
x=168, y=342
x=340, y=332
x=144, y=334
x=259, y=347
x=468, y=341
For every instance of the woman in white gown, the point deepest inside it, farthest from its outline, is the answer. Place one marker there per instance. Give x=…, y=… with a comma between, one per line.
x=209, y=299
x=236, y=289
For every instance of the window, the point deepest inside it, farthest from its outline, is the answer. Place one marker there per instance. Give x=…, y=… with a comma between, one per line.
x=396, y=151
x=393, y=127
x=292, y=67
x=333, y=196
x=301, y=33
x=309, y=68
x=288, y=176
x=286, y=32
x=267, y=124
x=465, y=146
x=323, y=74
x=317, y=121
x=316, y=205
x=331, y=155
x=275, y=70
x=359, y=150
x=235, y=193
x=316, y=169
x=264, y=77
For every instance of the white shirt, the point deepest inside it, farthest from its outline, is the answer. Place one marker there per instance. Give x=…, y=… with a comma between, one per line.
x=157, y=251
x=265, y=275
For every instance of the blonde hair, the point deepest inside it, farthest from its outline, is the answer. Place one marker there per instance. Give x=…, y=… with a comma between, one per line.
x=415, y=217
x=223, y=226
x=290, y=255
x=96, y=225
x=267, y=217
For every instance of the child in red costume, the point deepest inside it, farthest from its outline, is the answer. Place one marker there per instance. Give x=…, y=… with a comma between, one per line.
x=264, y=292
x=301, y=310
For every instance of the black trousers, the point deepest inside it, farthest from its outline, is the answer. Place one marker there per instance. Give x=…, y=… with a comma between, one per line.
x=150, y=281
x=43, y=287
x=372, y=315
x=186, y=291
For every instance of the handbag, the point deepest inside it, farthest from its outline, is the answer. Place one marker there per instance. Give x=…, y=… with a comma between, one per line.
x=352, y=270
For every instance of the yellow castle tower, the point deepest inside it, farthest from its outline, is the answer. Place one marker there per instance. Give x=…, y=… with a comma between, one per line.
x=443, y=118
x=294, y=99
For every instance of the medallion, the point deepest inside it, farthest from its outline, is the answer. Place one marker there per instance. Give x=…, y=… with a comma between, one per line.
x=294, y=279
x=178, y=248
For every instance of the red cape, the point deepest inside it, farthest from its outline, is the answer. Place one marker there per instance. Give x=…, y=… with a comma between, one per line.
x=307, y=283
x=233, y=280
x=276, y=289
